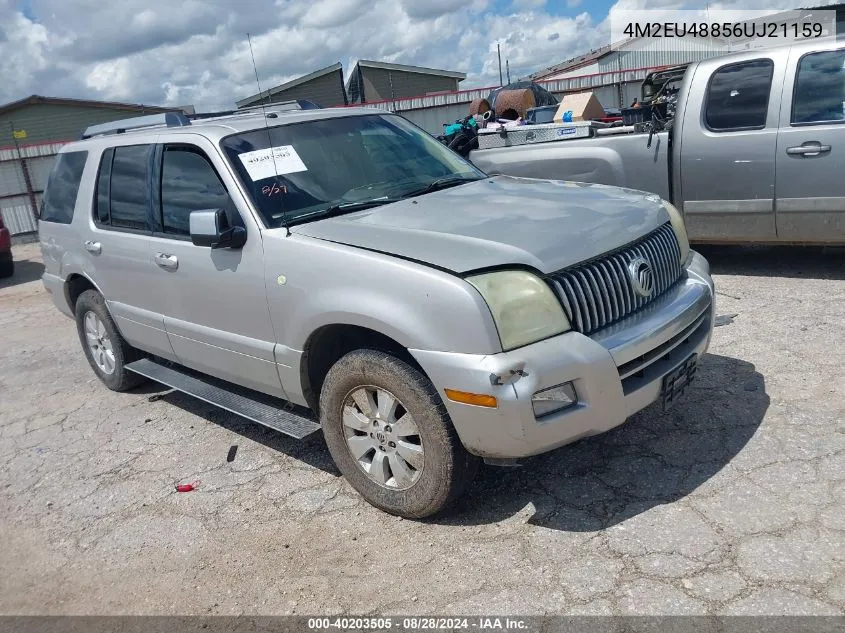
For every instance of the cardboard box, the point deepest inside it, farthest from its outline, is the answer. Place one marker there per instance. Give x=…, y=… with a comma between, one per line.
x=584, y=106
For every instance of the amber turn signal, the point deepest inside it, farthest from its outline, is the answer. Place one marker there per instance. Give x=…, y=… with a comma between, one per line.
x=478, y=399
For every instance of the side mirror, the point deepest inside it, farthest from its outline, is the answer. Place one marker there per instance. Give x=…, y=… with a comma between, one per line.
x=210, y=227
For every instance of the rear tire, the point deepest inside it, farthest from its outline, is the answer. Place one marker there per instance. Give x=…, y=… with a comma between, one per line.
x=414, y=470
x=106, y=350
x=7, y=268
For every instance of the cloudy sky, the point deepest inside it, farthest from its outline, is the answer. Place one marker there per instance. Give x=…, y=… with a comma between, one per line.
x=176, y=52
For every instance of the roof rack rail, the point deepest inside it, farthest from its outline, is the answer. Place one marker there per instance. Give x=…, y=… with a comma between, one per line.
x=170, y=119
x=269, y=108
x=280, y=106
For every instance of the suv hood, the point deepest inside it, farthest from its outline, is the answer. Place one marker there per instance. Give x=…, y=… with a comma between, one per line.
x=545, y=224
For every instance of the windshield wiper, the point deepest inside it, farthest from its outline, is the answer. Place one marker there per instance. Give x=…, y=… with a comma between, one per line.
x=440, y=183
x=339, y=208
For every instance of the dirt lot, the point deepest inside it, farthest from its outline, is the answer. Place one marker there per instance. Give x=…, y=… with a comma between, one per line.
x=730, y=503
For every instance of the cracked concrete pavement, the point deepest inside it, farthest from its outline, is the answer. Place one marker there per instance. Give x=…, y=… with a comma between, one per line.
x=731, y=503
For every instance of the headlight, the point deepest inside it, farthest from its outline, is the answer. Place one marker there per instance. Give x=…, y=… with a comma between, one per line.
x=680, y=230
x=524, y=308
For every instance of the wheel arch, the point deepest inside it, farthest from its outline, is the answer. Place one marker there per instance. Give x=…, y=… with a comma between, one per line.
x=328, y=343
x=75, y=285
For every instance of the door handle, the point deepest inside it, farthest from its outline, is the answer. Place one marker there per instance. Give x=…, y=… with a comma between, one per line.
x=93, y=247
x=170, y=262
x=811, y=148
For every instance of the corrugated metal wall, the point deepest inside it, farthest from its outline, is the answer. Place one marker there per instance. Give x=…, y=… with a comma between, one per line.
x=575, y=72
x=16, y=215
x=15, y=204
x=654, y=52
x=53, y=122
x=326, y=90
x=405, y=84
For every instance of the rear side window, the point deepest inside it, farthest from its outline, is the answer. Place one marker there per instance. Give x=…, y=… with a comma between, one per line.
x=819, y=94
x=738, y=96
x=102, y=211
x=62, y=187
x=123, y=192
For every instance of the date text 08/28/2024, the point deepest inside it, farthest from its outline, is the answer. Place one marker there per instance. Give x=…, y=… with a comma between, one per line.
x=416, y=623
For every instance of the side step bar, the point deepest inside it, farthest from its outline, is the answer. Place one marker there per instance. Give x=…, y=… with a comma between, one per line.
x=246, y=403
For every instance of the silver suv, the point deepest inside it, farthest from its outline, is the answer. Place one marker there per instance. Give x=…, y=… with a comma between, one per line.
x=340, y=269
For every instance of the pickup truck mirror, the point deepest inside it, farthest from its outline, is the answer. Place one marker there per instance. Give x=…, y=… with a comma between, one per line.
x=210, y=227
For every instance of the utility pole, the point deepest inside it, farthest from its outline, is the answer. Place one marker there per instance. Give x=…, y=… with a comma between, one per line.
x=392, y=91
x=499, y=52
x=508, y=69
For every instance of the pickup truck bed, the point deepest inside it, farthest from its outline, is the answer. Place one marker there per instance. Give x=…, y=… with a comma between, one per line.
x=624, y=160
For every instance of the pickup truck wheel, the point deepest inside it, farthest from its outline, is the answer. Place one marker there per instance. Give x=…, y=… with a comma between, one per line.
x=7, y=268
x=390, y=435
x=106, y=350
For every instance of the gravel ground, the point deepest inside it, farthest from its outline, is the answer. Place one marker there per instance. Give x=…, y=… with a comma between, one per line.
x=731, y=503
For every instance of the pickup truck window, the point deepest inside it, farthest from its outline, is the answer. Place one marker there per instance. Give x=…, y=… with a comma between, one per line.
x=62, y=187
x=738, y=96
x=819, y=94
x=188, y=183
x=333, y=162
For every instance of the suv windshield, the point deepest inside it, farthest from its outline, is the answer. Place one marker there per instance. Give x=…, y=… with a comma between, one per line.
x=304, y=171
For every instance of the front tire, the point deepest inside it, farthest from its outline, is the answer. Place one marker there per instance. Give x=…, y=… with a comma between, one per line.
x=390, y=435
x=106, y=350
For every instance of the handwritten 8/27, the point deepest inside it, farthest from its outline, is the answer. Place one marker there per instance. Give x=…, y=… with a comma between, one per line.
x=273, y=190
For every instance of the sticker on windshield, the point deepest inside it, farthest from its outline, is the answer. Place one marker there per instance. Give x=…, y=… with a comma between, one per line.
x=273, y=161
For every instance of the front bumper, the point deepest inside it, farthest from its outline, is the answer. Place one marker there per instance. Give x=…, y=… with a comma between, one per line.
x=616, y=372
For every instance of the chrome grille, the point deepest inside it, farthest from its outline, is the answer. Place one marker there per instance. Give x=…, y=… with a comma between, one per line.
x=596, y=293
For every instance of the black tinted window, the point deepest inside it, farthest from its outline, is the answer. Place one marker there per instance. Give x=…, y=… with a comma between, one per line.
x=820, y=88
x=62, y=187
x=101, y=213
x=738, y=95
x=129, y=190
x=188, y=183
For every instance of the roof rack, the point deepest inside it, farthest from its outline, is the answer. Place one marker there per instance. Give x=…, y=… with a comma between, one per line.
x=180, y=119
x=169, y=119
x=282, y=106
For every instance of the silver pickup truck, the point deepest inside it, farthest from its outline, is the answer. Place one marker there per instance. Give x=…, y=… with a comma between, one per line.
x=342, y=269
x=755, y=151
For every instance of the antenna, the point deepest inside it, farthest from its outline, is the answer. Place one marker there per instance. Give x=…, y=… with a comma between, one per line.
x=269, y=137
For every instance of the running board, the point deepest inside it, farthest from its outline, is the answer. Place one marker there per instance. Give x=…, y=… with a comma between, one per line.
x=246, y=403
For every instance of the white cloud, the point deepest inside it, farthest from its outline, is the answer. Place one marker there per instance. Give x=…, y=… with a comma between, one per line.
x=430, y=8
x=528, y=4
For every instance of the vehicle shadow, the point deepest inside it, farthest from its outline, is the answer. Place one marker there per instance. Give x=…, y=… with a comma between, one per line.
x=652, y=459
x=810, y=262
x=25, y=271
x=312, y=450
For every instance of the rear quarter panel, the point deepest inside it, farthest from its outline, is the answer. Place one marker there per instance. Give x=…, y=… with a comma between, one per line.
x=62, y=244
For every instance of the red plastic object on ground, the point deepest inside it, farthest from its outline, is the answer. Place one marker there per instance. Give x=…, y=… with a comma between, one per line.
x=187, y=487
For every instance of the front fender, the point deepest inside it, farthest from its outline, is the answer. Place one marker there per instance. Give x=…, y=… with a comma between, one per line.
x=312, y=283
